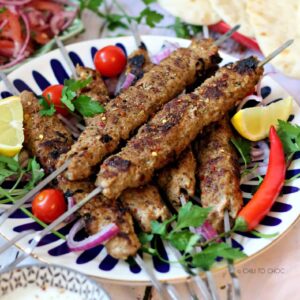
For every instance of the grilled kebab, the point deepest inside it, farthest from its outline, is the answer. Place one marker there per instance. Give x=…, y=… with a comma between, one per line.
x=172, y=129
x=219, y=173
x=45, y=136
x=134, y=106
x=179, y=179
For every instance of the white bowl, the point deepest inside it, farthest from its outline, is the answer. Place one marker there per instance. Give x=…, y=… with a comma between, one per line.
x=49, y=282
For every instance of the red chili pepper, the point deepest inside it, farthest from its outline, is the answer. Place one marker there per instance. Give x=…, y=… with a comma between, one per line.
x=260, y=204
x=222, y=27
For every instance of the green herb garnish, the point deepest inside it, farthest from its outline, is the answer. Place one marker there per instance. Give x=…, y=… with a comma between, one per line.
x=47, y=109
x=244, y=148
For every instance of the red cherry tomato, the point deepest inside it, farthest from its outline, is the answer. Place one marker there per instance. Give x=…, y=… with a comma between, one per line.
x=223, y=27
x=53, y=94
x=48, y=205
x=110, y=61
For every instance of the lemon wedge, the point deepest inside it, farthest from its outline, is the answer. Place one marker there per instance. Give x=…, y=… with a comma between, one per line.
x=11, y=126
x=254, y=123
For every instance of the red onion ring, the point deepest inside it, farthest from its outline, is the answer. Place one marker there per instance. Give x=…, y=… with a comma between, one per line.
x=71, y=203
x=207, y=231
x=4, y=22
x=27, y=30
x=167, y=49
x=107, y=233
x=14, y=2
x=12, y=62
x=61, y=21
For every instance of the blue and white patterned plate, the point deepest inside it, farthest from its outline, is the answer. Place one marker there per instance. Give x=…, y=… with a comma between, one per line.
x=51, y=69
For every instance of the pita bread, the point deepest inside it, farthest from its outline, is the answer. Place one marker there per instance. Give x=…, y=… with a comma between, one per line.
x=274, y=22
x=233, y=12
x=197, y=12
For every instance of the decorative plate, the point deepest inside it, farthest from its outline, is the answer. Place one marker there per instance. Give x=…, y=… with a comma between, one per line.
x=47, y=279
x=51, y=69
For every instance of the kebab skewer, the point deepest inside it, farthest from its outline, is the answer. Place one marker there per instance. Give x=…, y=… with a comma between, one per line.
x=126, y=240
x=67, y=162
x=251, y=71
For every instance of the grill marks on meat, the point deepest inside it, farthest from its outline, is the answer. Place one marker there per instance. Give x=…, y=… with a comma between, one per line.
x=134, y=106
x=100, y=212
x=219, y=173
x=139, y=63
x=45, y=136
x=155, y=145
x=145, y=205
x=179, y=178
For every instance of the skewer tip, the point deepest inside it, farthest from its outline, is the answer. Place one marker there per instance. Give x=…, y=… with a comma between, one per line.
x=276, y=52
x=227, y=35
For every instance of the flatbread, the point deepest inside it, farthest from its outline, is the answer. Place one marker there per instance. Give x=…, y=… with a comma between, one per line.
x=274, y=22
x=197, y=12
x=233, y=12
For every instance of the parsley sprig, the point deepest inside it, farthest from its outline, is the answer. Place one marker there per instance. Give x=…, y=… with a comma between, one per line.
x=10, y=168
x=184, y=240
x=83, y=104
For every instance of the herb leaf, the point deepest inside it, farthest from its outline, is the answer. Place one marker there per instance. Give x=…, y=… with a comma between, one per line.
x=151, y=17
x=191, y=215
x=161, y=228
x=92, y=5
x=184, y=30
x=244, y=148
x=207, y=257
x=183, y=240
x=88, y=107
x=145, y=238
x=48, y=109
x=289, y=135
x=147, y=2
x=36, y=171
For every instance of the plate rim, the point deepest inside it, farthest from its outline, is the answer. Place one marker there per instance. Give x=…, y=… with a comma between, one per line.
x=181, y=278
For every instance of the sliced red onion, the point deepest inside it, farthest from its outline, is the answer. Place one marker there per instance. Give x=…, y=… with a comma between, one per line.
x=167, y=49
x=107, y=233
x=14, y=2
x=260, y=170
x=27, y=32
x=125, y=81
x=12, y=62
x=71, y=203
x=248, y=98
x=75, y=132
x=61, y=21
x=4, y=22
x=266, y=150
x=207, y=231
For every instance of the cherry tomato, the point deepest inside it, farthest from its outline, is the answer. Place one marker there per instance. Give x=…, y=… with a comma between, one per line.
x=223, y=27
x=110, y=61
x=48, y=205
x=53, y=94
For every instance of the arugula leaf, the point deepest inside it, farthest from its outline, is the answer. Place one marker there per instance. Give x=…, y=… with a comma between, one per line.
x=48, y=109
x=207, y=257
x=191, y=215
x=37, y=173
x=289, y=135
x=151, y=17
x=10, y=163
x=183, y=240
x=244, y=148
x=88, y=107
x=161, y=228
